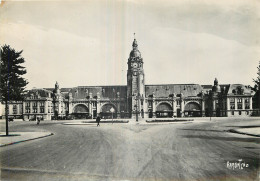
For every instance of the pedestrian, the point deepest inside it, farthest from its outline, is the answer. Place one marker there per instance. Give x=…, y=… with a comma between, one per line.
x=98, y=120
x=38, y=120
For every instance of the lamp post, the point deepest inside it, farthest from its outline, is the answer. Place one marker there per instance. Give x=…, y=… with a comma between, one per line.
x=142, y=108
x=136, y=112
x=136, y=106
x=112, y=110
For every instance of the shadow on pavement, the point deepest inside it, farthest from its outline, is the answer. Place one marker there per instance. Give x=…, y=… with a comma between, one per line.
x=203, y=130
x=251, y=147
x=252, y=126
x=256, y=140
x=10, y=135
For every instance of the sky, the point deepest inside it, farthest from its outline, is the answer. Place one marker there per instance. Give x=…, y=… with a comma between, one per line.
x=87, y=43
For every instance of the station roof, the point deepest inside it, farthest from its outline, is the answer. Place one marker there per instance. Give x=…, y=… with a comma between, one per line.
x=164, y=90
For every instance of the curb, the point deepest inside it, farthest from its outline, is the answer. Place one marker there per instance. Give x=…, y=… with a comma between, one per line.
x=16, y=142
x=169, y=121
x=238, y=132
x=110, y=121
x=94, y=122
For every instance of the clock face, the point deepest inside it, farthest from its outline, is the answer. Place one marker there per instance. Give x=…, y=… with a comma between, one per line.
x=135, y=65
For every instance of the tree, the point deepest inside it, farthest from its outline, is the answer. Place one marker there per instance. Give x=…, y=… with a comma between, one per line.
x=256, y=88
x=12, y=84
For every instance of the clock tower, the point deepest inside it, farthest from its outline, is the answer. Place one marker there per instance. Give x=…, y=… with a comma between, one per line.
x=135, y=83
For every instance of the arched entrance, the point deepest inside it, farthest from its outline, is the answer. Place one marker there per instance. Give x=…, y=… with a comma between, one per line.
x=81, y=111
x=192, y=109
x=164, y=110
x=106, y=111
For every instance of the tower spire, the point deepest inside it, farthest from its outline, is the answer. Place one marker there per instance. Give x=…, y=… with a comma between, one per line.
x=135, y=45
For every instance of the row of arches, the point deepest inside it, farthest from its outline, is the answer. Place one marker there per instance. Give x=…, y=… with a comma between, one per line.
x=81, y=111
x=164, y=109
x=191, y=109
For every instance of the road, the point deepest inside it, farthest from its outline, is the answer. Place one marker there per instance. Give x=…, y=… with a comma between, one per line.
x=177, y=151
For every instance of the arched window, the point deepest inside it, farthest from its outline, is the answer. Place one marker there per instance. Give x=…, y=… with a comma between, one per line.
x=81, y=109
x=164, y=110
x=106, y=111
x=192, y=109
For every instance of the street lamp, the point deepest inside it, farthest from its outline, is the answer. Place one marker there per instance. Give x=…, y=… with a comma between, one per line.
x=136, y=112
x=112, y=110
x=137, y=97
x=142, y=108
x=141, y=98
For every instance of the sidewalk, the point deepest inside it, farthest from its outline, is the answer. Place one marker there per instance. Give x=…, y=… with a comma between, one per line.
x=247, y=131
x=140, y=121
x=18, y=137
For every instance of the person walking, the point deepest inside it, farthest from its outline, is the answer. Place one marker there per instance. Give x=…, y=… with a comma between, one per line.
x=38, y=120
x=98, y=120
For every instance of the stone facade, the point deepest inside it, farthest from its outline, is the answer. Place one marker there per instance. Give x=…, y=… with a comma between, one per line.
x=38, y=103
x=231, y=100
x=135, y=99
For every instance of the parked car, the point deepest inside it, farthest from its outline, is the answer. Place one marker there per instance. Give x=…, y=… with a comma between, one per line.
x=10, y=119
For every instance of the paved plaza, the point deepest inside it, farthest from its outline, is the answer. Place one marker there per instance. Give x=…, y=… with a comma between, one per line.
x=194, y=150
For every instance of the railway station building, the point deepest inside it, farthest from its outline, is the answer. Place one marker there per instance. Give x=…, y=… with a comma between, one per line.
x=136, y=99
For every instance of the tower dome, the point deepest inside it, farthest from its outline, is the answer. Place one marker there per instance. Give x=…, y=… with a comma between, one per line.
x=215, y=82
x=57, y=89
x=135, y=52
x=216, y=87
